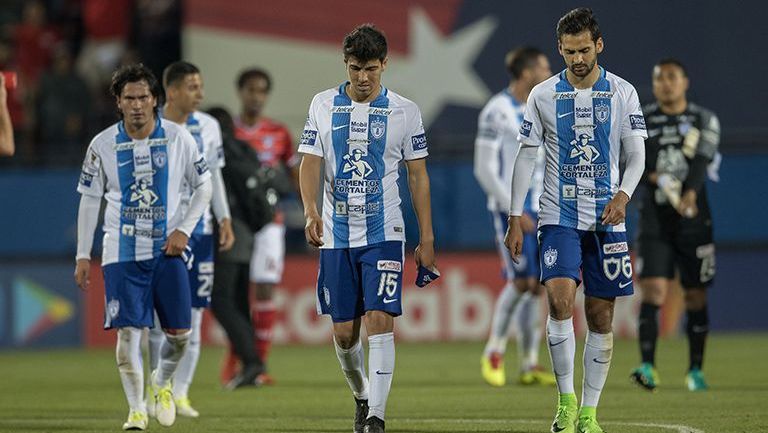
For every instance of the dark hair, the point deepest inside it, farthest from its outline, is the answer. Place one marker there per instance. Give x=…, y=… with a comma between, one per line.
x=520, y=59
x=577, y=21
x=177, y=71
x=672, y=61
x=133, y=74
x=252, y=73
x=365, y=43
x=225, y=120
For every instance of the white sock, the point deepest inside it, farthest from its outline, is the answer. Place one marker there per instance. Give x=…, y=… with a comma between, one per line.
x=502, y=316
x=186, y=369
x=562, y=351
x=381, y=366
x=155, y=340
x=352, y=362
x=171, y=352
x=128, y=354
x=597, y=362
x=528, y=324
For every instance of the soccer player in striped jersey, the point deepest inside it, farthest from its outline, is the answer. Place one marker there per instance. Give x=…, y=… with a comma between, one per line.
x=496, y=147
x=183, y=85
x=586, y=118
x=356, y=135
x=141, y=165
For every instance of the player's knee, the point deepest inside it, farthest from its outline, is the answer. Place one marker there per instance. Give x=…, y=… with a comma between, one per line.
x=263, y=291
x=695, y=299
x=345, y=338
x=560, y=308
x=178, y=338
x=378, y=322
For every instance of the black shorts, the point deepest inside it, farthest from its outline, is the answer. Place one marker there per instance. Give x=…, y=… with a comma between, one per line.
x=668, y=242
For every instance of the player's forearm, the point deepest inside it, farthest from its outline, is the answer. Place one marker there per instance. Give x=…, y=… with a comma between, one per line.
x=521, y=178
x=6, y=132
x=309, y=179
x=219, y=201
x=87, y=219
x=200, y=200
x=486, y=168
x=634, y=150
x=418, y=183
x=697, y=173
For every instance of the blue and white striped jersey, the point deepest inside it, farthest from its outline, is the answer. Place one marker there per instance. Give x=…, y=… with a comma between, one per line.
x=581, y=130
x=498, y=127
x=362, y=146
x=143, y=184
x=206, y=131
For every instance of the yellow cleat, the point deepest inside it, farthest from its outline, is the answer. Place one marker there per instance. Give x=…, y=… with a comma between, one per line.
x=165, y=408
x=492, y=368
x=184, y=407
x=537, y=376
x=136, y=421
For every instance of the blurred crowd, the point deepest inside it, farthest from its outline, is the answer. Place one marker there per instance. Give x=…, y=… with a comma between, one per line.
x=64, y=52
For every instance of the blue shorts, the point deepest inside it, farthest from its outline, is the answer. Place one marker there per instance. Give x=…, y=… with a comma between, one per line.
x=602, y=258
x=201, y=274
x=135, y=289
x=529, y=259
x=352, y=281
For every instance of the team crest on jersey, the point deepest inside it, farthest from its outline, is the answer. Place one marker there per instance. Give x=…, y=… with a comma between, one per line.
x=602, y=112
x=160, y=158
x=550, y=257
x=378, y=128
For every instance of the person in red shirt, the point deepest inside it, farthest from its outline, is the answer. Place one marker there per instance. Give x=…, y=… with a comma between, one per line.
x=274, y=146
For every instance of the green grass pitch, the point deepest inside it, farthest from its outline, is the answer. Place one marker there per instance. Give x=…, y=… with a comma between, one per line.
x=437, y=388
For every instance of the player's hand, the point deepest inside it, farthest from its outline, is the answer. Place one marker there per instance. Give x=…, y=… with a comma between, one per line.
x=226, y=235
x=688, y=208
x=175, y=243
x=527, y=223
x=425, y=255
x=616, y=209
x=513, y=239
x=82, y=272
x=671, y=188
x=313, y=230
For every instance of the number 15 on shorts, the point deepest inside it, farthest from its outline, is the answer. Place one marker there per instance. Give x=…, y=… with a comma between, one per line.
x=388, y=285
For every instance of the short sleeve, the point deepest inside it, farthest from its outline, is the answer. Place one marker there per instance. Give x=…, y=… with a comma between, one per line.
x=415, y=139
x=310, y=141
x=196, y=169
x=215, y=149
x=632, y=120
x=532, y=128
x=92, y=174
x=490, y=128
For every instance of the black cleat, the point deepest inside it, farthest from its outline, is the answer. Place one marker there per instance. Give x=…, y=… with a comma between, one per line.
x=374, y=425
x=246, y=377
x=361, y=413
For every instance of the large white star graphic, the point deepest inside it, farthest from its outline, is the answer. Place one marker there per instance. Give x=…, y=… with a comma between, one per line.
x=439, y=70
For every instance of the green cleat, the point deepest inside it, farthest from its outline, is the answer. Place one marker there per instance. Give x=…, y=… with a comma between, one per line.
x=565, y=419
x=588, y=424
x=645, y=376
x=695, y=380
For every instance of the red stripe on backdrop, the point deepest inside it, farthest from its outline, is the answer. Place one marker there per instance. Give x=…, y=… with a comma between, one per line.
x=315, y=21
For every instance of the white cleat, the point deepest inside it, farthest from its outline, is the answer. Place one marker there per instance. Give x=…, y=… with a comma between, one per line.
x=165, y=409
x=184, y=408
x=136, y=421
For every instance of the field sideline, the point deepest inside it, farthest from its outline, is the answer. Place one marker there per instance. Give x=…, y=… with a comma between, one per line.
x=437, y=388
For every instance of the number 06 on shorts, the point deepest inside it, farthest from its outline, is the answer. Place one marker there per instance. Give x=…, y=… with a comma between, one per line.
x=601, y=258
x=353, y=281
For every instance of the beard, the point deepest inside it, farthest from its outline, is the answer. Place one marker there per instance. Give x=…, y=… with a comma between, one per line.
x=583, y=69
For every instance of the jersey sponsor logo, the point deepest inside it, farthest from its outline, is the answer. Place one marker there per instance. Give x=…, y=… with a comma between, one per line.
x=355, y=164
x=357, y=186
x=602, y=95
x=360, y=127
x=564, y=95
x=615, y=248
x=201, y=166
x=86, y=179
x=337, y=127
x=525, y=128
x=379, y=111
x=133, y=213
x=160, y=158
x=362, y=210
x=124, y=163
x=131, y=230
x=588, y=165
x=342, y=109
x=602, y=112
x=378, y=128
x=389, y=265
x=92, y=162
x=584, y=113
x=142, y=193
x=571, y=192
x=561, y=115
x=419, y=142
x=550, y=257
x=308, y=138
x=637, y=121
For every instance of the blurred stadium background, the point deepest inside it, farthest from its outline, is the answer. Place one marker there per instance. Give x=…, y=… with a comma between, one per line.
x=446, y=55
